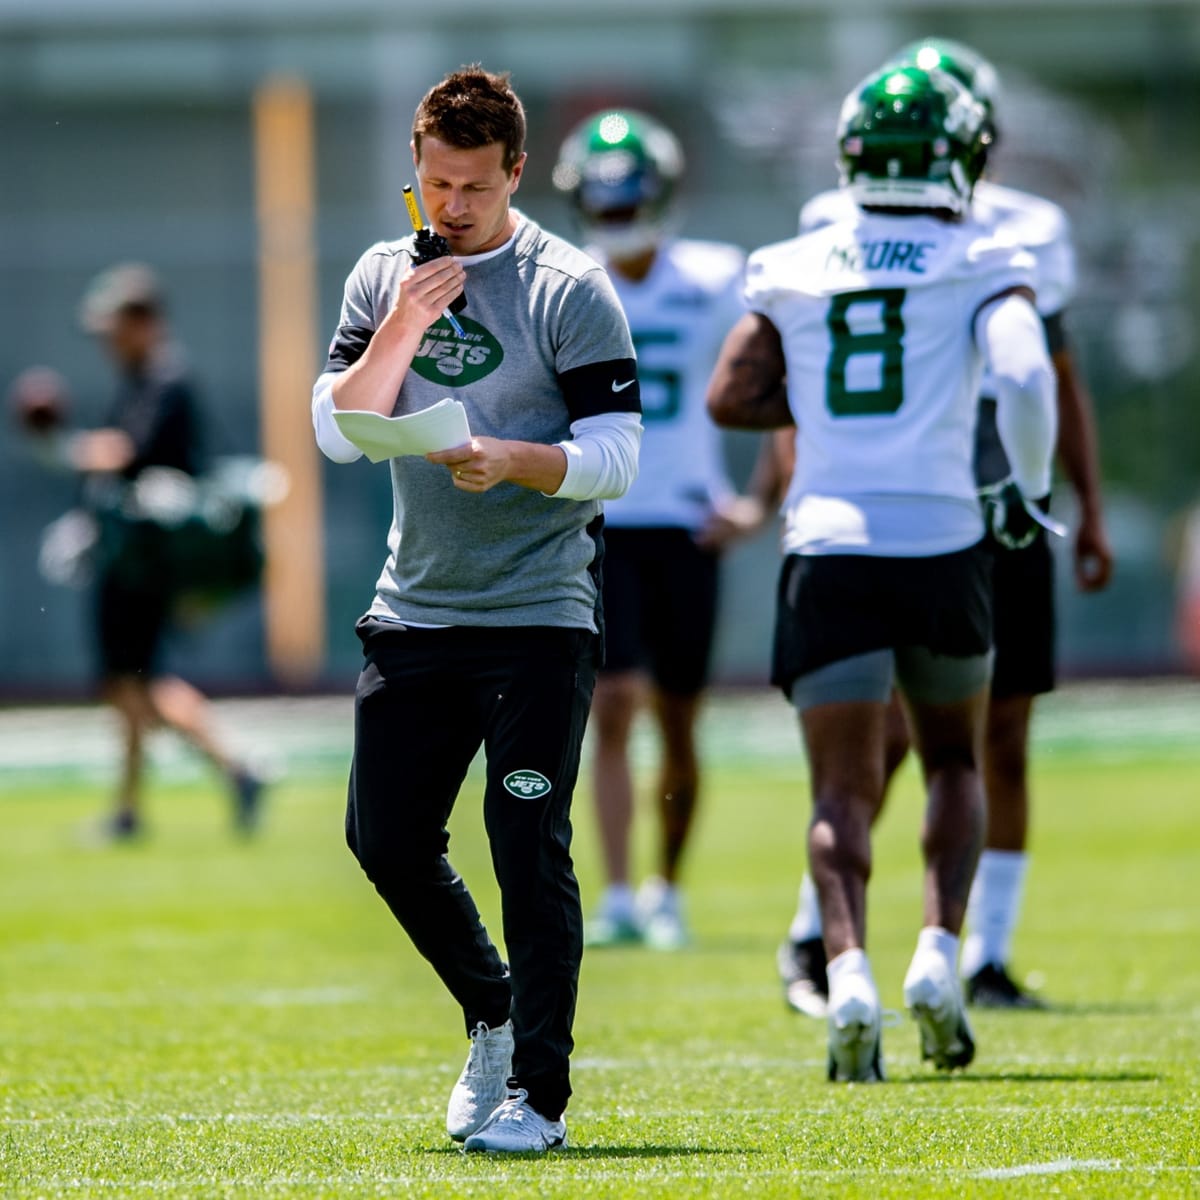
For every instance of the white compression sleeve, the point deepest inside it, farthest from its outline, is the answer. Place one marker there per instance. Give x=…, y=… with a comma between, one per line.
x=334, y=444
x=602, y=453
x=602, y=456
x=1010, y=334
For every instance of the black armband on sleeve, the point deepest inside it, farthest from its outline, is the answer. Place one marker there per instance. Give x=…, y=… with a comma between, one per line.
x=1056, y=332
x=347, y=347
x=603, y=387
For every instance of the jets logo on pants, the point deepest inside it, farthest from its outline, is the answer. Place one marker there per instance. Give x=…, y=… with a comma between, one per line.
x=528, y=784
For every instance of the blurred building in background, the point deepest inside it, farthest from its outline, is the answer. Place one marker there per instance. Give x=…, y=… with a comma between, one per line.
x=249, y=150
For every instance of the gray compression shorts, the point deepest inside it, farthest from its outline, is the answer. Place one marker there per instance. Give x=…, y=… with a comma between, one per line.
x=923, y=676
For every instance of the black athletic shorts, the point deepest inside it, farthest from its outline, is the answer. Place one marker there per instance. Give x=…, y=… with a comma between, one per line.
x=130, y=627
x=660, y=606
x=835, y=606
x=1024, y=618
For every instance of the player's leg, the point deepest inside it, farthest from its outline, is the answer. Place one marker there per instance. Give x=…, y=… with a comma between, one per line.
x=840, y=739
x=127, y=696
x=128, y=627
x=680, y=611
x=620, y=693
x=949, y=741
x=843, y=742
x=1006, y=767
x=660, y=906
x=679, y=776
x=945, y=680
x=800, y=959
x=828, y=660
x=1023, y=582
x=998, y=890
x=617, y=701
x=182, y=707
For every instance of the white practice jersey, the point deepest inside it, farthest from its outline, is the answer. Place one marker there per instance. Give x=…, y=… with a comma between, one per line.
x=1038, y=225
x=877, y=319
x=678, y=316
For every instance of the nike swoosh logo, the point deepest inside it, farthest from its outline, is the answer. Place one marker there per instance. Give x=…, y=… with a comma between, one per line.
x=620, y=387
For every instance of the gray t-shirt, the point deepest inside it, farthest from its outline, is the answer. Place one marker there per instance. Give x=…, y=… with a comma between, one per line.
x=545, y=337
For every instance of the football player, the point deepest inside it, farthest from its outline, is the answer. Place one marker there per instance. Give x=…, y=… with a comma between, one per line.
x=869, y=335
x=621, y=170
x=1023, y=579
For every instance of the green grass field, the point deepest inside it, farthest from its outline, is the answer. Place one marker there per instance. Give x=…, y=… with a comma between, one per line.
x=195, y=1016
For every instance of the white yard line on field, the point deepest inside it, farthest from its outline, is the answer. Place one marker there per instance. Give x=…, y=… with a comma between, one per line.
x=625, y=1174
x=1060, y=1166
x=294, y=734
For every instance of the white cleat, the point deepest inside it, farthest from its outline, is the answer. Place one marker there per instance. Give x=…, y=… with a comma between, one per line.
x=934, y=997
x=854, y=1022
x=483, y=1084
x=515, y=1128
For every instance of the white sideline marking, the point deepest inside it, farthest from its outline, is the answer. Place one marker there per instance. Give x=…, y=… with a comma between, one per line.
x=622, y=1175
x=275, y=1120
x=1111, y=722
x=302, y=997
x=1058, y=1167
x=285, y=1119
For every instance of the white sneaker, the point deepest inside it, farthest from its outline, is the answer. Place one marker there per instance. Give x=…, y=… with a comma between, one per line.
x=483, y=1083
x=933, y=994
x=854, y=1022
x=660, y=915
x=515, y=1128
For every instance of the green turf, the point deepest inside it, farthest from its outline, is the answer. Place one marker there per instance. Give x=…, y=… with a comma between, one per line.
x=196, y=1016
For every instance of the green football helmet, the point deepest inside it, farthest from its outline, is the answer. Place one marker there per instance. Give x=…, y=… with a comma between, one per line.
x=968, y=66
x=911, y=139
x=620, y=169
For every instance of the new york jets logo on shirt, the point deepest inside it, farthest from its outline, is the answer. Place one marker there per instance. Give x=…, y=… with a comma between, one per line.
x=528, y=784
x=445, y=358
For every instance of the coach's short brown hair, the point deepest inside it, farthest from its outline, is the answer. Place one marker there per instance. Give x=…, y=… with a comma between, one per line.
x=472, y=107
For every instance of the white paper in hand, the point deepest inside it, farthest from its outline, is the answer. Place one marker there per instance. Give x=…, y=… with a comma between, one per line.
x=441, y=426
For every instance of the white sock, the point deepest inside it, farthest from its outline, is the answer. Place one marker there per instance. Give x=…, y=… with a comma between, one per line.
x=992, y=909
x=806, y=924
x=933, y=939
x=851, y=972
x=657, y=895
x=933, y=967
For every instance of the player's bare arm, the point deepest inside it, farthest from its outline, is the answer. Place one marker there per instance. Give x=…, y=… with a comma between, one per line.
x=732, y=520
x=747, y=387
x=100, y=450
x=744, y=516
x=1078, y=454
x=484, y=462
x=371, y=383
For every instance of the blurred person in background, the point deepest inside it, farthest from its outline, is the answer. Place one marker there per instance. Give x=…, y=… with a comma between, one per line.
x=1023, y=581
x=621, y=170
x=154, y=422
x=486, y=624
x=869, y=335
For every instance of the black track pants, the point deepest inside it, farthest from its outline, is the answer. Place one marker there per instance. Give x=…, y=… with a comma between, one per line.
x=426, y=700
